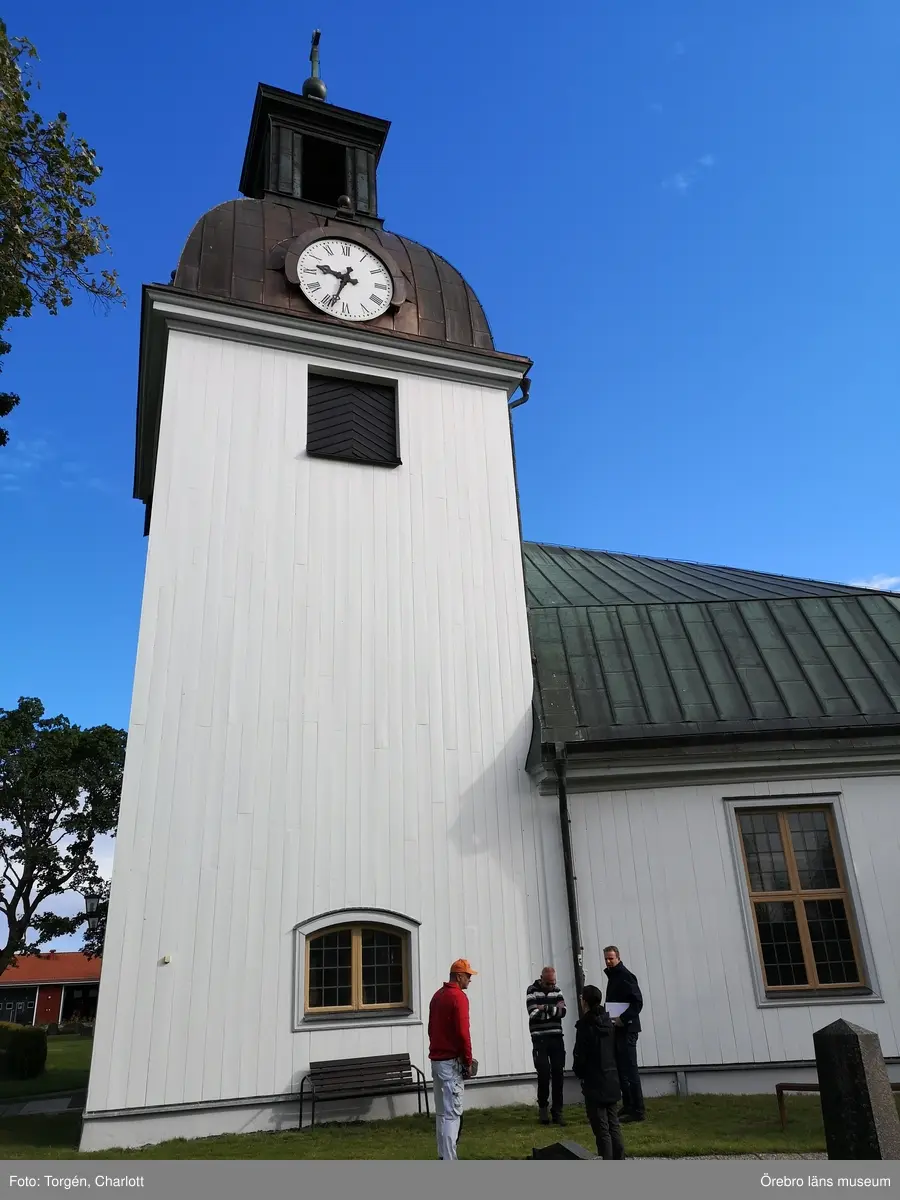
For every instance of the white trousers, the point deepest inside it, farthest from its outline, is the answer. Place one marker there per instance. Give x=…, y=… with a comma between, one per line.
x=448, y=1105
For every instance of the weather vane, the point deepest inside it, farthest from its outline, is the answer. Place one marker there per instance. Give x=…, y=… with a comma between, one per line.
x=314, y=88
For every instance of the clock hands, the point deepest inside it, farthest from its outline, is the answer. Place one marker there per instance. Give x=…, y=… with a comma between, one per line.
x=343, y=276
x=344, y=281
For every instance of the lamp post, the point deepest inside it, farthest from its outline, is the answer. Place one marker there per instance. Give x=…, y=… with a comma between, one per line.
x=92, y=903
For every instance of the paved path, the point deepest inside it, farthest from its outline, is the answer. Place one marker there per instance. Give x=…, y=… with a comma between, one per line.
x=27, y=1106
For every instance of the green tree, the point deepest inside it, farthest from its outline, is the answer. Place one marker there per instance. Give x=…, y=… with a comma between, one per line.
x=47, y=235
x=59, y=789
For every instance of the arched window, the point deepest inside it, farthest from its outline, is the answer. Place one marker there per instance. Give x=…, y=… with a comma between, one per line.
x=357, y=968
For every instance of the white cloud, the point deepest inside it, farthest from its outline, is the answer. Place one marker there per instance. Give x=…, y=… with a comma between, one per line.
x=679, y=182
x=104, y=848
x=23, y=459
x=682, y=181
x=880, y=583
x=101, y=485
x=30, y=462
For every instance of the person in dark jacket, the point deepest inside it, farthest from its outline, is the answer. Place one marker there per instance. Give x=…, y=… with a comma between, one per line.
x=594, y=1062
x=623, y=989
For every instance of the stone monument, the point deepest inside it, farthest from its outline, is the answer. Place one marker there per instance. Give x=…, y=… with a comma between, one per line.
x=858, y=1106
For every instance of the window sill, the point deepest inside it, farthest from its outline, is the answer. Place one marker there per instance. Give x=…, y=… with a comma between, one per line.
x=356, y=1021
x=818, y=999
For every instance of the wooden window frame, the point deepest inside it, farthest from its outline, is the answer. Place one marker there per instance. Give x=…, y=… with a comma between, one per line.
x=358, y=1007
x=797, y=896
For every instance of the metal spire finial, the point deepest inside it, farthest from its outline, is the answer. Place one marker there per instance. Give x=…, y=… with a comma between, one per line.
x=314, y=88
x=314, y=53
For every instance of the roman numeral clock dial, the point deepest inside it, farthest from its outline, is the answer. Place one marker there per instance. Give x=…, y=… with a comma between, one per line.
x=345, y=279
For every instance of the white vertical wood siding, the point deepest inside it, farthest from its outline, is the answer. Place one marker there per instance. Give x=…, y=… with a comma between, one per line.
x=331, y=709
x=657, y=877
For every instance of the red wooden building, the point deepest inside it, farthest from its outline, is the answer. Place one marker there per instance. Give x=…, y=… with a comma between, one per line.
x=55, y=986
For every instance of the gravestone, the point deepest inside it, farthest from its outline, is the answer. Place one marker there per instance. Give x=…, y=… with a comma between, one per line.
x=858, y=1107
x=561, y=1150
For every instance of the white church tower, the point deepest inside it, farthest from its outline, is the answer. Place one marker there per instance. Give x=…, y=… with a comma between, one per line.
x=325, y=799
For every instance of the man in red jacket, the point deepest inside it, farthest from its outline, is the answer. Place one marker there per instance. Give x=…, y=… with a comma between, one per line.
x=450, y=1051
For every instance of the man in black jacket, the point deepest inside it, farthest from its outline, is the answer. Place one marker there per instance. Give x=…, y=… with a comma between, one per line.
x=623, y=989
x=594, y=1062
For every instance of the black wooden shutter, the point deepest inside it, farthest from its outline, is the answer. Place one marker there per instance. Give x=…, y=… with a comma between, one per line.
x=352, y=420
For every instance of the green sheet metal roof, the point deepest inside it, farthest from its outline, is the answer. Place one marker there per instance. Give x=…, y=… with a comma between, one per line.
x=562, y=576
x=824, y=658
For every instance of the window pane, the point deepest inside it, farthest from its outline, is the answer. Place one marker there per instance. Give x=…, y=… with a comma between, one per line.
x=330, y=970
x=382, y=967
x=812, y=850
x=832, y=945
x=779, y=938
x=765, y=854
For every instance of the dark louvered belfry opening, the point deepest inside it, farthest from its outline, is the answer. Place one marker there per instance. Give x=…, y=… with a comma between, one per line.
x=352, y=420
x=320, y=170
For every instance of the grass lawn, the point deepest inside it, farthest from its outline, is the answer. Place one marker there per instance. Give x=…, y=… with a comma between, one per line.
x=68, y=1067
x=674, y=1127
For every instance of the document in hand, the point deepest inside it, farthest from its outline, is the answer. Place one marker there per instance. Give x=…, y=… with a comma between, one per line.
x=615, y=1009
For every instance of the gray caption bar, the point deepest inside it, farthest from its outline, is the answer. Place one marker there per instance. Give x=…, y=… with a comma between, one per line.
x=298, y=1179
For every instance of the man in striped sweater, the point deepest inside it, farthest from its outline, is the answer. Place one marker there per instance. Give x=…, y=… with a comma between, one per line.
x=546, y=1009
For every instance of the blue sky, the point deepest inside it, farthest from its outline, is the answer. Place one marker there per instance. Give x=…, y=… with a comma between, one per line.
x=684, y=212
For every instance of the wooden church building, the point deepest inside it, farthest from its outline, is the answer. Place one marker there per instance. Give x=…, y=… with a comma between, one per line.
x=372, y=731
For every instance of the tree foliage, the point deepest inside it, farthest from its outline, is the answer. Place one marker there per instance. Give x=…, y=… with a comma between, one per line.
x=48, y=236
x=59, y=789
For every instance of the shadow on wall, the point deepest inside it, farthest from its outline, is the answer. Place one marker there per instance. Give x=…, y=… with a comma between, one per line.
x=500, y=900
x=513, y=898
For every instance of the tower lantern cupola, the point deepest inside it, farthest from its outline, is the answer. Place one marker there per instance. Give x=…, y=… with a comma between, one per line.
x=302, y=148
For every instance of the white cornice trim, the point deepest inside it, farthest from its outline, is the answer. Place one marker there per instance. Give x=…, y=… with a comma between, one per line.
x=202, y=315
x=597, y=774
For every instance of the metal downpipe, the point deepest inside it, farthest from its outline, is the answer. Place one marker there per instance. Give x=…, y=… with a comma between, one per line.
x=565, y=828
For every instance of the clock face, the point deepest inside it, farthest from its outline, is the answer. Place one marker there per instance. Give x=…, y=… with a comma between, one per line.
x=345, y=279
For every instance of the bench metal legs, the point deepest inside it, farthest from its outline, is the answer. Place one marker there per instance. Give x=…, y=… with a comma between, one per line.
x=781, y=1088
x=424, y=1089
x=312, y=1096
x=308, y=1091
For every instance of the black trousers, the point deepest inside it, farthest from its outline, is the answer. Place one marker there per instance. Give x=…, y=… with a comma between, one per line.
x=629, y=1078
x=549, y=1057
x=606, y=1128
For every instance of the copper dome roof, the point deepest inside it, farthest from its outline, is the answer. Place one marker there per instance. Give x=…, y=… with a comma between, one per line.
x=236, y=252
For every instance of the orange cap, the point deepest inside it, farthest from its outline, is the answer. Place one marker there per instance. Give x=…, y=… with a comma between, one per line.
x=463, y=966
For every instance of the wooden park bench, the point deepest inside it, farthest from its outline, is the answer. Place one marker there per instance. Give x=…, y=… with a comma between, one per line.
x=361, y=1078
x=781, y=1088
